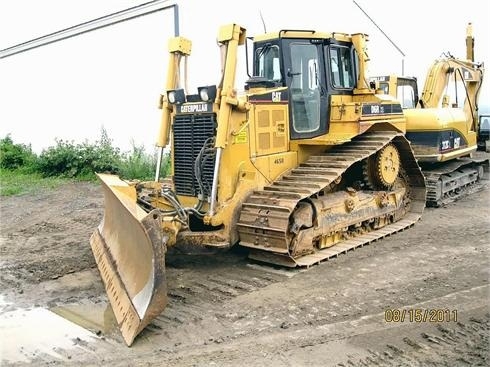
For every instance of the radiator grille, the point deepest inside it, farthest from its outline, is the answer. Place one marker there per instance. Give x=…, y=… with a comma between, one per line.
x=190, y=133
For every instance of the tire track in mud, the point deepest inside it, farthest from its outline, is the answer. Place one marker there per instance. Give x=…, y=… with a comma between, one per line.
x=465, y=344
x=196, y=293
x=363, y=341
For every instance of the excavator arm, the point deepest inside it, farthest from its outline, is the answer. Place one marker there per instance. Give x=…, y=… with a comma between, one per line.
x=440, y=77
x=453, y=82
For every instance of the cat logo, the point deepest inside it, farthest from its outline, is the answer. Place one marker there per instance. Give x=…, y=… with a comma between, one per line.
x=276, y=96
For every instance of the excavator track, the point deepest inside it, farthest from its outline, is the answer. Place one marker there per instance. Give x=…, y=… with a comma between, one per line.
x=265, y=223
x=448, y=181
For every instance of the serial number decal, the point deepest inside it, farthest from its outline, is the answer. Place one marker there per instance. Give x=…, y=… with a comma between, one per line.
x=421, y=315
x=279, y=161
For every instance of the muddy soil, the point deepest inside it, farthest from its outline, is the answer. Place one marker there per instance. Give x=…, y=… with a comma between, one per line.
x=420, y=297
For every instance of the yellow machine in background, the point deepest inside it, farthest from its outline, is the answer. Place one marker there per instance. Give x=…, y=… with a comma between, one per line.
x=443, y=125
x=484, y=133
x=403, y=88
x=306, y=163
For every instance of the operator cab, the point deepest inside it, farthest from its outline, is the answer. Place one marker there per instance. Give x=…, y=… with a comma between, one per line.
x=403, y=88
x=483, y=140
x=312, y=68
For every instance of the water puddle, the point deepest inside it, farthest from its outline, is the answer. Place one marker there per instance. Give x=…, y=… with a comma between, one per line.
x=97, y=318
x=37, y=333
x=3, y=303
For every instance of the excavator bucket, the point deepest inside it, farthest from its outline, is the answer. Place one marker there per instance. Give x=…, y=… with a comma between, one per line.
x=129, y=249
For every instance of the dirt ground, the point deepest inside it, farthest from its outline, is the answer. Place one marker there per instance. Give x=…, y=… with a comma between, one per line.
x=416, y=298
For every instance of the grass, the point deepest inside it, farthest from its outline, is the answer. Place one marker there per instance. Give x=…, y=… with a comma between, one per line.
x=16, y=182
x=23, y=172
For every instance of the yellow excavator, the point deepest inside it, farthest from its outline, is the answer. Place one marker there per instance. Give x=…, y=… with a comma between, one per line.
x=443, y=125
x=307, y=162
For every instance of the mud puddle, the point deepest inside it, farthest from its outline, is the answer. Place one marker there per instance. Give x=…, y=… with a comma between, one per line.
x=38, y=333
x=97, y=318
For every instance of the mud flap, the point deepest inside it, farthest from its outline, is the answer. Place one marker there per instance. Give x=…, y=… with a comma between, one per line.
x=129, y=249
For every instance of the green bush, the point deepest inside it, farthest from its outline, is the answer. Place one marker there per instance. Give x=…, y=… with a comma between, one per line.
x=166, y=165
x=67, y=159
x=16, y=156
x=138, y=164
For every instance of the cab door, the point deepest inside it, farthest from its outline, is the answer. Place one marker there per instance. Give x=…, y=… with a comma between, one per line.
x=305, y=77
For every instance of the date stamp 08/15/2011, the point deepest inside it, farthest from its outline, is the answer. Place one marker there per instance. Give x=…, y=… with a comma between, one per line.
x=421, y=315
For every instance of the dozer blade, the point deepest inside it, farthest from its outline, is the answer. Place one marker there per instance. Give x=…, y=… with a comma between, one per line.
x=129, y=249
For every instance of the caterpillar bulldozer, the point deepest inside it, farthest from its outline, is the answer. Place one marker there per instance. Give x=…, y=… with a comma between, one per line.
x=444, y=146
x=307, y=162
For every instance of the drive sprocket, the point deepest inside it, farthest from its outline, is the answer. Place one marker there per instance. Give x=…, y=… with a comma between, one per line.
x=381, y=169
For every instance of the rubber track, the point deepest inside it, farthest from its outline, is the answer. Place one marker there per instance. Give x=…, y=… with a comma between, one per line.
x=266, y=212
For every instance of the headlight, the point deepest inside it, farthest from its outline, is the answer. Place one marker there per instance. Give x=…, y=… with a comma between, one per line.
x=204, y=94
x=207, y=94
x=176, y=96
x=171, y=96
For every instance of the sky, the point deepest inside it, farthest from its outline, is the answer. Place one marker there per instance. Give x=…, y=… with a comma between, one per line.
x=112, y=78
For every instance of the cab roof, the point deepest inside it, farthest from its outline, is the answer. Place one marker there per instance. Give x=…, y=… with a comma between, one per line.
x=307, y=34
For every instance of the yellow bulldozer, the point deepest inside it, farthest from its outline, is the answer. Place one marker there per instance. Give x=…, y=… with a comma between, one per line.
x=307, y=162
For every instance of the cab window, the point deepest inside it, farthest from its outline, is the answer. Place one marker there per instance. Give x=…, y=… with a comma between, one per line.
x=455, y=94
x=341, y=67
x=406, y=96
x=268, y=65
